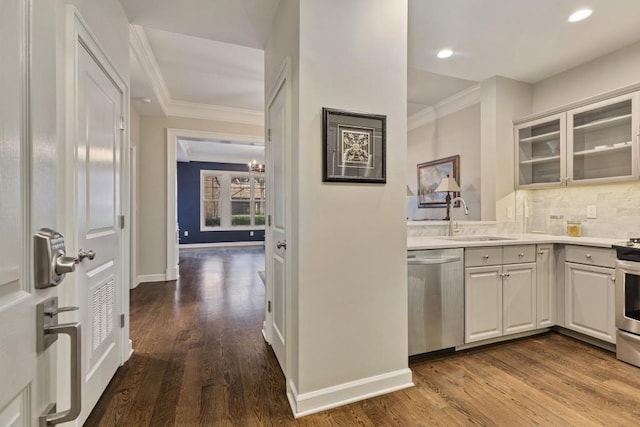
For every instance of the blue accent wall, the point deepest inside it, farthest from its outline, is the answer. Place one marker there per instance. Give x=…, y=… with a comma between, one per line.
x=189, y=206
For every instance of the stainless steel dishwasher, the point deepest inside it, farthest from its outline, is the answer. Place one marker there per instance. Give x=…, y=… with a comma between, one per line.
x=436, y=299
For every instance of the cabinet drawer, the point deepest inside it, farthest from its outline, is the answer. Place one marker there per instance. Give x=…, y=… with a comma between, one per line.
x=602, y=257
x=475, y=257
x=518, y=254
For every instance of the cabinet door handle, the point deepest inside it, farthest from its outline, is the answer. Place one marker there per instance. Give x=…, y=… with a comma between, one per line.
x=521, y=254
x=613, y=279
x=540, y=252
x=485, y=256
x=588, y=256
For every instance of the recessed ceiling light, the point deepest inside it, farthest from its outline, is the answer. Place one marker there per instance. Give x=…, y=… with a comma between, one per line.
x=580, y=15
x=445, y=53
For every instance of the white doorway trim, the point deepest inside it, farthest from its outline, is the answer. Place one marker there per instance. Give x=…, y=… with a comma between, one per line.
x=172, y=272
x=133, y=211
x=282, y=82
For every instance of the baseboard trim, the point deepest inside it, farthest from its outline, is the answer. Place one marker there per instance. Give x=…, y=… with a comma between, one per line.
x=586, y=338
x=343, y=394
x=130, y=350
x=172, y=273
x=219, y=245
x=144, y=278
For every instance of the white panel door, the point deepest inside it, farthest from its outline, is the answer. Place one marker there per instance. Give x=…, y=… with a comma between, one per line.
x=590, y=300
x=277, y=146
x=519, y=298
x=99, y=104
x=24, y=388
x=482, y=303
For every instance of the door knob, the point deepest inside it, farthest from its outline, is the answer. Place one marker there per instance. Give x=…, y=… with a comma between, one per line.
x=82, y=254
x=67, y=264
x=281, y=245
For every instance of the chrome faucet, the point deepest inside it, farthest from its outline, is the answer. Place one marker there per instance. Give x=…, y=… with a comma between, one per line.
x=466, y=212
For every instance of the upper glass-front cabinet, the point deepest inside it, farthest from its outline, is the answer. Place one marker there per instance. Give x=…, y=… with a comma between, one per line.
x=593, y=144
x=540, y=152
x=603, y=141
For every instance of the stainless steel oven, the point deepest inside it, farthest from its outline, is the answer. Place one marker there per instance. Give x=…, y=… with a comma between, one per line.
x=628, y=302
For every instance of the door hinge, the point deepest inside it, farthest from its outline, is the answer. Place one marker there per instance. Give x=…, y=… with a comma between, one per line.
x=121, y=122
x=268, y=220
x=269, y=306
x=122, y=320
x=121, y=221
x=268, y=134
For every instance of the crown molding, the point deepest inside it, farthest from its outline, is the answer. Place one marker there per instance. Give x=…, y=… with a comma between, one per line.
x=141, y=48
x=215, y=112
x=421, y=118
x=173, y=134
x=139, y=44
x=455, y=102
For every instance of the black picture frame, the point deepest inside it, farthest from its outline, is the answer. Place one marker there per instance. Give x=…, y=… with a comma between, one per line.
x=353, y=147
x=429, y=176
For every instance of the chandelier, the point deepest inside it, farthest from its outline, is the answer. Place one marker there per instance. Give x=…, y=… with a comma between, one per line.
x=255, y=167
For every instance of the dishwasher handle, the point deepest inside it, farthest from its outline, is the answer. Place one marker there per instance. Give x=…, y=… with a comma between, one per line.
x=432, y=261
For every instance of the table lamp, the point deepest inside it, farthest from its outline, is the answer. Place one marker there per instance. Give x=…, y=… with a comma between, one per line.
x=448, y=185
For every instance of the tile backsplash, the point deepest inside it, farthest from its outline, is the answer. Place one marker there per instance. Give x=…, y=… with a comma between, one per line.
x=617, y=207
x=441, y=228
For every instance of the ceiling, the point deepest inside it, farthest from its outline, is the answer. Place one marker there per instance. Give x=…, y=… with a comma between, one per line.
x=208, y=53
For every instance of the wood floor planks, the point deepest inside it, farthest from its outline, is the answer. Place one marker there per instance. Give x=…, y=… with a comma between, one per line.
x=200, y=360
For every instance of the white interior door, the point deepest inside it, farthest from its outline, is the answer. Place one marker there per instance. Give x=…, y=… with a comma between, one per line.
x=99, y=140
x=277, y=146
x=24, y=384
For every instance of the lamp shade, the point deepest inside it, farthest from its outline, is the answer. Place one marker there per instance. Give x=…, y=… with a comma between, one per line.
x=409, y=192
x=448, y=184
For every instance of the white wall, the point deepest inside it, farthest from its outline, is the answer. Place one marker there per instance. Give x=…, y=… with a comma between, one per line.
x=152, y=183
x=502, y=101
x=352, y=284
x=455, y=133
x=604, y=74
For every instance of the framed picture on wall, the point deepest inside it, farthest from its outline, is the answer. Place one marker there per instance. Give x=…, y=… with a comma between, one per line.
x=353, y=147
x=430, y=174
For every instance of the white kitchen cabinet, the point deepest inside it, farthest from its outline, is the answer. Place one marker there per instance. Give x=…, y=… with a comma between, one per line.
x=595, y=143
x=500, y=299
x=540, y=152
x=483, y=303
x=590, y=300
x=519, y=298
x=546, y=286
x=602, y=141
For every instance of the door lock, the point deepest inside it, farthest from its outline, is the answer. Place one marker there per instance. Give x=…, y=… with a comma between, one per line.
x=51, y=262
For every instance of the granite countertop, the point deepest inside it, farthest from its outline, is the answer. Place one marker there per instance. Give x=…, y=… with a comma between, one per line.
x=443, y=242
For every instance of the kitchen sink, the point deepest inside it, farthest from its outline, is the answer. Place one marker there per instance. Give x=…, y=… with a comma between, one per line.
x=477, y=238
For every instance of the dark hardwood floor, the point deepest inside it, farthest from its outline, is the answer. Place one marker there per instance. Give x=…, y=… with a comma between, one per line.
x=200, y=359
